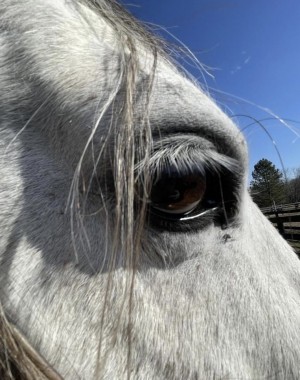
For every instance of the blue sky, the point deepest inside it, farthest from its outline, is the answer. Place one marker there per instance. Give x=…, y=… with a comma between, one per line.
x=253, y=51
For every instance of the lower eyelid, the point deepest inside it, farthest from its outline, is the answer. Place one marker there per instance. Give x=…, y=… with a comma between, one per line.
x=186, y=217
x=188, y=223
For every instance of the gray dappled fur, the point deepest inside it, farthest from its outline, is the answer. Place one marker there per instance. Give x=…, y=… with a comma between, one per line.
x=91, y=107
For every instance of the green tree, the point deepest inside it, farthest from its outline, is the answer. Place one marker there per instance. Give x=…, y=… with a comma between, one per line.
x=293, y=186
x=267, y=185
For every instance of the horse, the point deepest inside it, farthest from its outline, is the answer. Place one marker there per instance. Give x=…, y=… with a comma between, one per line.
x=129, y=247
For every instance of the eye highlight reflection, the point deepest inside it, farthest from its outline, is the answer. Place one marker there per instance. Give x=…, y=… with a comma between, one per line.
x=178, y=195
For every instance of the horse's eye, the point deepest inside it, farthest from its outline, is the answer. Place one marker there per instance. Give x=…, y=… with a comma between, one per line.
x=178, y=195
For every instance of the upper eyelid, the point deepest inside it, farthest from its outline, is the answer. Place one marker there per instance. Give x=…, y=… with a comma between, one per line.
x=187, y=154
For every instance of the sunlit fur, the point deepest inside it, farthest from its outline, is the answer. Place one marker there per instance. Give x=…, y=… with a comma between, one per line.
x=91, y=109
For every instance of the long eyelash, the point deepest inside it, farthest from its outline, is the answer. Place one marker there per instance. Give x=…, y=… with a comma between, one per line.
x=186, y=155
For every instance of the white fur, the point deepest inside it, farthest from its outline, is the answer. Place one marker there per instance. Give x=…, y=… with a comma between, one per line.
x=221, y=308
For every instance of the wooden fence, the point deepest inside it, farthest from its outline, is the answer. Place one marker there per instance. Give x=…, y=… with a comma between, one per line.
x=286, y=218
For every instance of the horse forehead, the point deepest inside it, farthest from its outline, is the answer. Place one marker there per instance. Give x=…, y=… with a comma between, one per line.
x=65, y=35
x=89, y=52
x=76, y=38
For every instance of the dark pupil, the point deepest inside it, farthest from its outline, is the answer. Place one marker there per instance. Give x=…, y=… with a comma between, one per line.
x=174, y=193
x=168, y=191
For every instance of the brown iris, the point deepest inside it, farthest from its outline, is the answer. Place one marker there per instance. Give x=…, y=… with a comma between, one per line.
x=178, y=195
